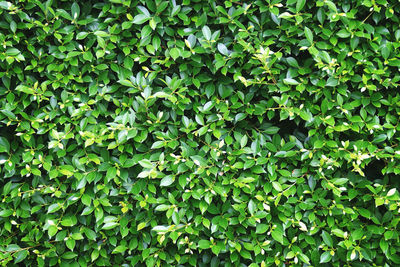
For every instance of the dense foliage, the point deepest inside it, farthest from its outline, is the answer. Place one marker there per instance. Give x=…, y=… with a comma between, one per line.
x=199, y=133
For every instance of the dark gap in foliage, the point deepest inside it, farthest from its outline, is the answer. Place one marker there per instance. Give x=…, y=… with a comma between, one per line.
x=291, y=127
x=351, y=136
x=373, y=171
x=9, y=132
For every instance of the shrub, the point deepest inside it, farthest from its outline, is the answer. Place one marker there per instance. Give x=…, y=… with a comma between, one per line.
x=199, y=133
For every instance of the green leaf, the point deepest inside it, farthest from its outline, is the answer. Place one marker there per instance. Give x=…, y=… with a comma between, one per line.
x=13, y=26
x=206, y=33
x=162, y=207
x=309, y=35
x=140, y=19
x=82, y=35
x=67, y=170
x=94, y=255
x=385, y=52
x=198, y=160
x=327, y=239
x=53, y=208
x=252, y=207
x=383, y=244
x=391, y=192
x=12, y=52
x=110, y=225
x=300, y=4
x=204, y=244
x=325, y=257
x=379, y=202
x=6, y=213
x=243, y=141
x=339, y=181
x=126, y=83
x=363, y=212
x=145, y=163
x=394, y=62
x=305, y=115
x=331, y=5
x=160, y=229
x=175, y=53
x=20, y=256
x=111, y=173
x=69, y=255
x=338, y=232
x=357, y=234
x=141, y=226
x=75, y=11
x=119, y=249
x=167, y=180
x=277, y=234
x=69, y=221
x=285, y=15
x=222, y=49
x=225, y=91
x=12, y=248
x=240, y=116
x=5, y=5
x=277, y=186
x=293, y=62
x=52, y=230
x=157, y=144
x=304, y=258
x=90, y=234
x=343, y=33
x=4, y=145
x=70, y=243
x=261, y=228
x=332, y=82
x=290, y=81
x=380, y=138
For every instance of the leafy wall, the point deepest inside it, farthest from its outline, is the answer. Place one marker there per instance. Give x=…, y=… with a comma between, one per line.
x=199, y=133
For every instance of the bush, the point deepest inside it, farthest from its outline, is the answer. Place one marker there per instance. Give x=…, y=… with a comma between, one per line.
x=199, y=133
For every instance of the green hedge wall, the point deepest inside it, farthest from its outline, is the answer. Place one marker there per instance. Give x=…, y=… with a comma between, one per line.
x=199, y=133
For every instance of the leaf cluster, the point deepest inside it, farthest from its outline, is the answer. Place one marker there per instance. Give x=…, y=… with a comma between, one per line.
x=199, y=133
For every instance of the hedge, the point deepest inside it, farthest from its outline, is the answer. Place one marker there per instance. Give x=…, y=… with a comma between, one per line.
x=199, y=133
